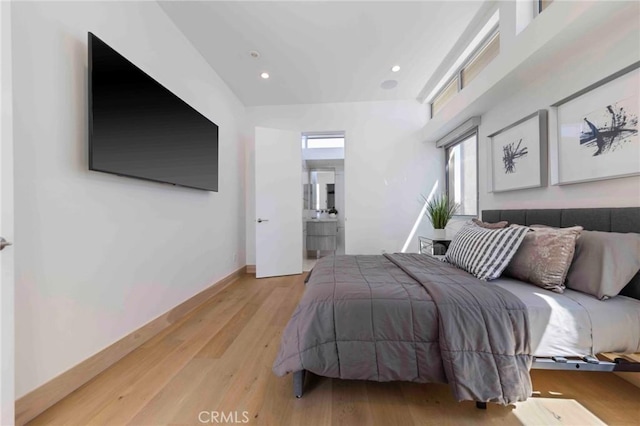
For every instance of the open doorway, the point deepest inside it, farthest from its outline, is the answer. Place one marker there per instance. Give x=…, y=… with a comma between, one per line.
x=324, y=207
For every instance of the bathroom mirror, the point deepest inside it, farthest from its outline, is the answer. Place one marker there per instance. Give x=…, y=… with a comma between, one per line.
x=321, y=189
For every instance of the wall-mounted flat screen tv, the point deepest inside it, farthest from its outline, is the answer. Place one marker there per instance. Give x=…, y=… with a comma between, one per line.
x=138, y=128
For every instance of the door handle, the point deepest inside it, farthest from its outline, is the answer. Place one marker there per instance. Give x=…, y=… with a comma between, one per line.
x=4, y=243
x=262, y=220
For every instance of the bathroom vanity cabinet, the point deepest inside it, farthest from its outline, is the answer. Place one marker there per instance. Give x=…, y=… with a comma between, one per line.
x=322, y=234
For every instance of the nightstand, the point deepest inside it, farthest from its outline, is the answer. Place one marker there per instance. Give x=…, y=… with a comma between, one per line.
x=434, y=247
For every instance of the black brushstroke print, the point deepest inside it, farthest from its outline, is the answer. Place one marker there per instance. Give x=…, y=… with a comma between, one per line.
x=610, y=135
x=510, y=153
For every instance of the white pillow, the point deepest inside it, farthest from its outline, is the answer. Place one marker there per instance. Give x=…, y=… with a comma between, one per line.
x=484, y=252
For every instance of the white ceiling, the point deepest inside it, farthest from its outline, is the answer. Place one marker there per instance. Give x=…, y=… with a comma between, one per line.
x=320, y=52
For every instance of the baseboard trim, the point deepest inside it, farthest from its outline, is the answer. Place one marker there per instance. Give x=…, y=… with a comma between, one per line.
x=40, y=399
x=251, y=269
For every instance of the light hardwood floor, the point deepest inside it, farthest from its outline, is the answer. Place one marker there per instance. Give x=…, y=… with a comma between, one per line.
x=218, y=359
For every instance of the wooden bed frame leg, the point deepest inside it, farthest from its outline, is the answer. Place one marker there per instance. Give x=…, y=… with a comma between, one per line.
x=481, y=405
x=298, y=383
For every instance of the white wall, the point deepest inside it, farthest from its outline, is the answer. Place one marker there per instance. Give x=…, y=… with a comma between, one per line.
x=387, y=167
x=610, y=44
x=98, y=255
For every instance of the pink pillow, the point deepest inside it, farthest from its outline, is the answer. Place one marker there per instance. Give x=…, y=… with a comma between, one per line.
x=488, y=225
x=544, y=257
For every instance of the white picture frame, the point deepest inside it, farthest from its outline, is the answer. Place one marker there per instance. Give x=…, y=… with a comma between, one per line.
x=588, y=144
x=518, y=154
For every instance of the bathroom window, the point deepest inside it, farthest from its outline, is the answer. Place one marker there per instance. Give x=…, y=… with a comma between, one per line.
x=322, y=141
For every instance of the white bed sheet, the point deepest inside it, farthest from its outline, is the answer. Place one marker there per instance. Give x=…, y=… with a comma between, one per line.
x=577, y=324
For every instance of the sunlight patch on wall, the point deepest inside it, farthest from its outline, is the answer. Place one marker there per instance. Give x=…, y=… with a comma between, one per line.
x=419, y=219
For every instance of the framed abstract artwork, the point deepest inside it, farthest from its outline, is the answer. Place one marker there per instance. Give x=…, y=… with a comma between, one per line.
x=519, y=154
x=597, y=130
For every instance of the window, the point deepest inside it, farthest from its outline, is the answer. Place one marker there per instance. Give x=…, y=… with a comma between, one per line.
x=477, y=55
x=483, y=57
x=445, y=96
x=487, y=54
x=325, y=143
x=462, y=174
x=322, y=141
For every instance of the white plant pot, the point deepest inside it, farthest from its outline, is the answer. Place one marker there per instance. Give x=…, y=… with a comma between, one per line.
x=439, y=234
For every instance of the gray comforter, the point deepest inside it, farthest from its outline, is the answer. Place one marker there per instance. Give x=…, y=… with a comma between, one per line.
x=413, y=318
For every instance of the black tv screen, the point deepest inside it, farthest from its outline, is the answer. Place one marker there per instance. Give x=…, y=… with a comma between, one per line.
x=138, y=128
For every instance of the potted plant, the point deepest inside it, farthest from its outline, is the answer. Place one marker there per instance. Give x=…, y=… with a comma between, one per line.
x=440, y=210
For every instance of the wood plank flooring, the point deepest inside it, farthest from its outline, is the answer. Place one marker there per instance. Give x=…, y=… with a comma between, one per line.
x=218, y=359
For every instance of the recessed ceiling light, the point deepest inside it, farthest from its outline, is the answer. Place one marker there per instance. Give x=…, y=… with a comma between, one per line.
x=265, y=75
x=395, y=68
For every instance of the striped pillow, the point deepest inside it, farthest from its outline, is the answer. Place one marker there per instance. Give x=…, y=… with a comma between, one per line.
x=483, y=252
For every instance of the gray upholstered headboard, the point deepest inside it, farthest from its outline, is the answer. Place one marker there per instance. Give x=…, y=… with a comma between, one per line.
x=625, y=219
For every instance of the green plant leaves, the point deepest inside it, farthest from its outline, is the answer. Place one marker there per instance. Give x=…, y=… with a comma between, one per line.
x=440, y=210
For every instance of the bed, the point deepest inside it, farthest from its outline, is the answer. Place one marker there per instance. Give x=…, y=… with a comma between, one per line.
x=413, y=318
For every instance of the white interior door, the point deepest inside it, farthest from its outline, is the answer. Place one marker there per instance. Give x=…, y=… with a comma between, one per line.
x=278, y=202
x=6, y=222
